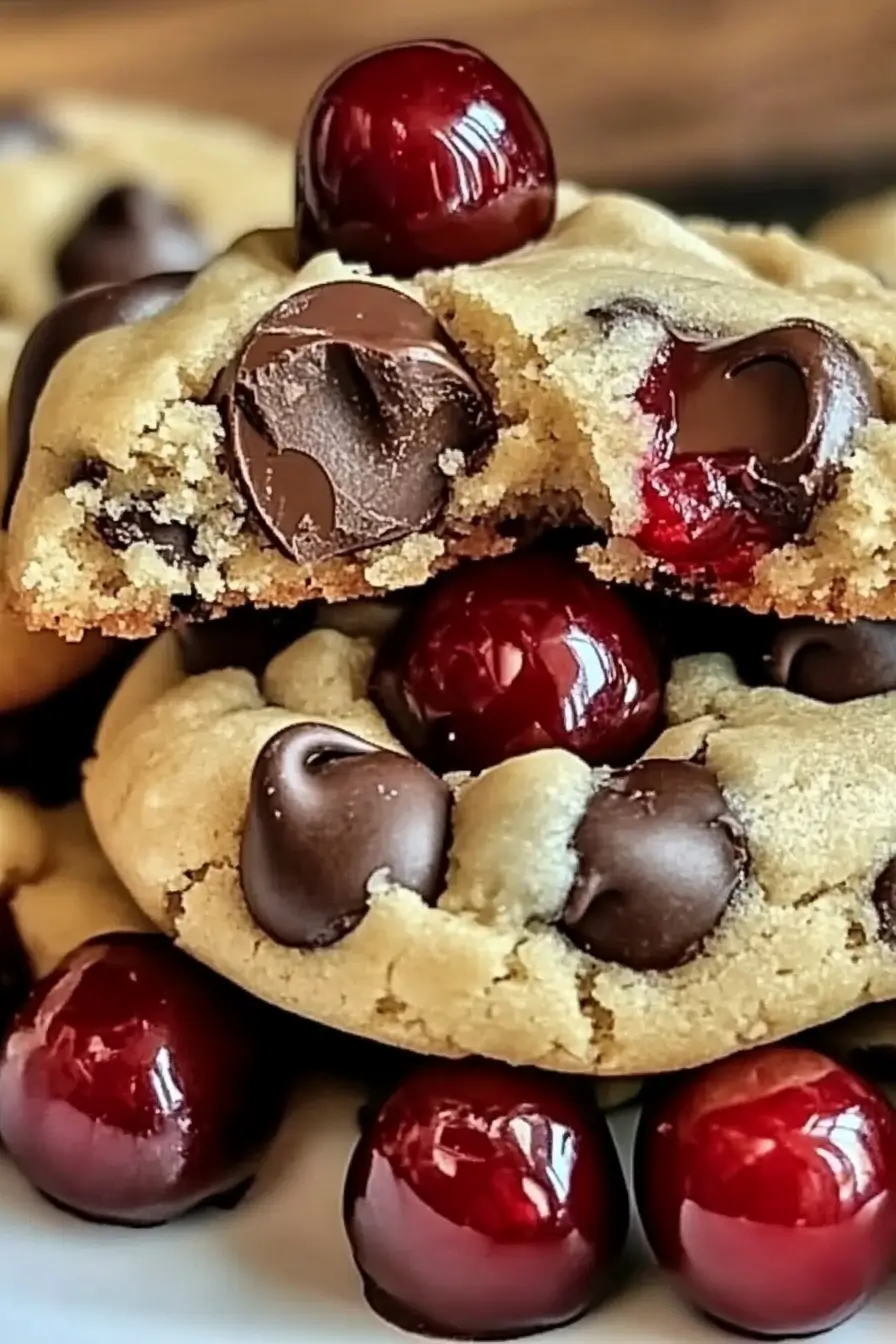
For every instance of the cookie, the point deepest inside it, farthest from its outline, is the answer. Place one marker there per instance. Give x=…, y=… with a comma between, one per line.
x=329, y=873
x=536, y=402
x=108, y=191
x=863, y=232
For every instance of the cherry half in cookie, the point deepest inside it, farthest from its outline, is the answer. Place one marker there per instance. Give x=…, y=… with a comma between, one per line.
x=506, y=656
x=423, y=155
x=134, y=1084
x=486, y=1202
x=767, y=1188
x=750, y=432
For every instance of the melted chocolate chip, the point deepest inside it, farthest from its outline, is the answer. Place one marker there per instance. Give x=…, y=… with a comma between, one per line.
x=337, y=411
x=884, y=897
x=788, y=399
x=248, y=637
x=129, y=233
x=834, y=663
x=81, y=315
x=23, y=132
x=326, y=811
x=660, y=857
x=174, y=542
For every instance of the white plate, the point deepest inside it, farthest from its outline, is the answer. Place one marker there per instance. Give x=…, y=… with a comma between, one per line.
x=277, y=1270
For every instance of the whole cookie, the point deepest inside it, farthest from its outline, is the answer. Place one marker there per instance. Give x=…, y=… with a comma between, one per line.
x=730, y=886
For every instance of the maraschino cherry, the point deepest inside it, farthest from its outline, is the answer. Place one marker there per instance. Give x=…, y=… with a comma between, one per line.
x=486, y=1202
x=425, y=154
x=506, y=656
x=134, y=1084
x=767, y=1188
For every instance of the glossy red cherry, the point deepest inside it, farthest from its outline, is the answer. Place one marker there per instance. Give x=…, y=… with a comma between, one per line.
x=506, y=656
x=696, y=518
x=767, y=1187
x=484, y=1201
x=134, y=1084
x=425, y=154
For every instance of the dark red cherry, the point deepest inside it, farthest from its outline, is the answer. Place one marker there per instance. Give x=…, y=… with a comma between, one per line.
x=696, y=519
x=767, y=1188
x=425, y=154
x=485, y=1202
x=134, y=1084
x=506, y=656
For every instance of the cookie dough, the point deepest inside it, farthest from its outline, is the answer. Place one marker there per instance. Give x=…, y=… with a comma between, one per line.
x=150, y=490
x=107, y=190
x=864, y=232
x=757, y=897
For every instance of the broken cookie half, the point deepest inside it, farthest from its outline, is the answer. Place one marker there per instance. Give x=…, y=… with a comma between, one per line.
x=707, y=408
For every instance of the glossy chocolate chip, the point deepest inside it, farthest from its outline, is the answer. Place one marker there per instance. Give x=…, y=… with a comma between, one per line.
x=660, y=857
x=174, y=542
x=23, y=131
x=884, y=897
x=326, y=812
x=129, y=233
x=789, y=398
x=834, y=663
x=248, y=637
x=338, y=409
x=92, y=310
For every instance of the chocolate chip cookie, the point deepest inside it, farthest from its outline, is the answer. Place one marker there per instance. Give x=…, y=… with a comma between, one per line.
x=109, y=191
x=732, y=885
x=282, y=433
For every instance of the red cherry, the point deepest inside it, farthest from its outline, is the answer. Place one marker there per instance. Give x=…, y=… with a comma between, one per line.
x=506, y=656
x=134, y=1084
x=424, y=154
x=697, y=517
x=767, y=1187
x=484, y=1201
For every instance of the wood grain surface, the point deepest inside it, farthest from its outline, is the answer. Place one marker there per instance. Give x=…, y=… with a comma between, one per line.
x=633, y=90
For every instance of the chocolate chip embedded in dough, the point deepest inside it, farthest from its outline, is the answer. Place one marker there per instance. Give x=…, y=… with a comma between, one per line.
x=81, y=315
x=23, y=131
x=327, y=811
x=884, y=898
x=130, y=232
x=788, y=399
x=660, y=857
x=834, y=663
x=338, y=410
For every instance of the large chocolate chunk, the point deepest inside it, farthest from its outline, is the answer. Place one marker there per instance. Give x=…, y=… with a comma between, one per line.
x=834, y=663
x=338, y=409
x=660, y=857
x=129, y=233
x=92, y=310
x=788, y=399
x=326, y=811
x=23, y=131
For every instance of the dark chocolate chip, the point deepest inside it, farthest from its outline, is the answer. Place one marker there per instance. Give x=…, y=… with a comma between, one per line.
x=81, y=315
x=884, y=897
x=173, y=541
x=23, y=132
x=789, y=400
x=834, y=663
x=337, y=410
x=660, y=857
x=248, y=637
x=326, y=811
x=129, y=233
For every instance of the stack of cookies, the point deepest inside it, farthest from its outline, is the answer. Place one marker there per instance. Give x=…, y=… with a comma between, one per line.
x=467, y=616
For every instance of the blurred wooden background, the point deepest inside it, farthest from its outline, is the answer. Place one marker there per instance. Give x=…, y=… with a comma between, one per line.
x=634, y=91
